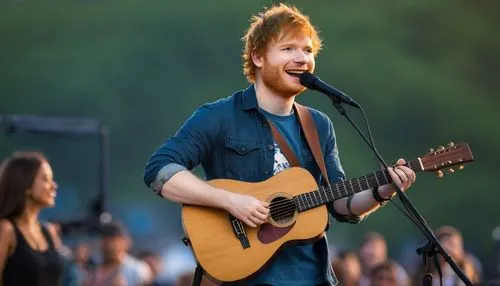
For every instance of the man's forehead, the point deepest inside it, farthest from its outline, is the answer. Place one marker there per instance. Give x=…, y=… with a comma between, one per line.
x=298, y=37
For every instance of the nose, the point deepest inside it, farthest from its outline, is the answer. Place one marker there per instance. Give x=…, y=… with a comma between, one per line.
x=300, y=57
x=55, y=185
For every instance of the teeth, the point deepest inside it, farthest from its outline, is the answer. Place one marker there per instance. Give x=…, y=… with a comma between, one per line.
x=295, y=71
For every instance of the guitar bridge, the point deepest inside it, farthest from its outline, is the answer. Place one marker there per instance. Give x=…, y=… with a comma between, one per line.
x=239, y=231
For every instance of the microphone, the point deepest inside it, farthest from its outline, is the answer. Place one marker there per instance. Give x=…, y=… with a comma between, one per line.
x=313, y=82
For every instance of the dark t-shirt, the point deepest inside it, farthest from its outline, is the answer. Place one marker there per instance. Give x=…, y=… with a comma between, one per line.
x=27, y=266
x=297, y=264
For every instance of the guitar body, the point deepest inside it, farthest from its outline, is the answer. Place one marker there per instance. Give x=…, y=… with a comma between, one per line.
x=218, y=249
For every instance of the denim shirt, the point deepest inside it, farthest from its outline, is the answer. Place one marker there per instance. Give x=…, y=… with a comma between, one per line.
x=231, y=139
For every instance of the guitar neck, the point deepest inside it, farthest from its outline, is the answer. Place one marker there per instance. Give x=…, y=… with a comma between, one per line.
x=328, y=194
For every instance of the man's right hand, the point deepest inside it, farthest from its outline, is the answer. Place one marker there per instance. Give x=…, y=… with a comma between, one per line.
x=184, y=187
x=248, y=209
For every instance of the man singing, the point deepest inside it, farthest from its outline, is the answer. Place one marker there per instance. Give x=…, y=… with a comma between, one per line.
x=232, y=139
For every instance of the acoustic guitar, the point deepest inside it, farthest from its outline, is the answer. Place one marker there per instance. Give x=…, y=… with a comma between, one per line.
x=229, y=251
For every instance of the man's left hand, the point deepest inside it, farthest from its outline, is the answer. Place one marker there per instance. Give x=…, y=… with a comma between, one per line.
x=401, y=175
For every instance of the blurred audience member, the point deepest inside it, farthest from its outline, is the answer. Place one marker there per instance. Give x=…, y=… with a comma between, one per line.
x=185, y=279
x=78, y=268
x=387, y=274
x=116, y=266
x=154, y=262
x=373, y=252
x=347, y=268
x=452, y=241
x=28, y=248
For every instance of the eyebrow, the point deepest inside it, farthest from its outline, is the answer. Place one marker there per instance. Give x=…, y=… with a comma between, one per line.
x=290, y=43
x=46, y=176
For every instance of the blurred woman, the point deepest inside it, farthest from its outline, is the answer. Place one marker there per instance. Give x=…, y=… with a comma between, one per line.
x=28, y=248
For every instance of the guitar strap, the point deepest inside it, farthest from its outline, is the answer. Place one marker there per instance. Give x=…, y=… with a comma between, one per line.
x=289, y=154
x=198, y=275
x=306, y=121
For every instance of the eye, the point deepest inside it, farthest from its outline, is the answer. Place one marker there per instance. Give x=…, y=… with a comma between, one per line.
x=48, y=179
x=308, y=50
x=286, y=49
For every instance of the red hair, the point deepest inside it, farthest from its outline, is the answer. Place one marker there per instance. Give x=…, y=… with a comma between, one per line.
x=271, y=25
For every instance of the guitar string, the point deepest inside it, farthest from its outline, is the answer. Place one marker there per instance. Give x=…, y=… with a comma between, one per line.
x=371, y=179
x=330, y=191
x=285, y=208
x=286, y=211
x=378, y=176
x=289, y=210
x=348, y=189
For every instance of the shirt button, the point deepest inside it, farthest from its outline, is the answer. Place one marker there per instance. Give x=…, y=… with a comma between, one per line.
x=243, y=149
x=266, y=172
x=271, y=147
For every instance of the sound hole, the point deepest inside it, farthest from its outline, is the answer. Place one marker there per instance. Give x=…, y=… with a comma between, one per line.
x=282, y=210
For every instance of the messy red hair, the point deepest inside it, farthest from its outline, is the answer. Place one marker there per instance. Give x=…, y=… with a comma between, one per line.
x=271, y=25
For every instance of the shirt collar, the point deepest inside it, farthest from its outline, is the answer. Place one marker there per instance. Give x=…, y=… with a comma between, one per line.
x=249, y=98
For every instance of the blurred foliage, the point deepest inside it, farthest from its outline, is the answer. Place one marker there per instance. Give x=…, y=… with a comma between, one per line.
x=426, y=73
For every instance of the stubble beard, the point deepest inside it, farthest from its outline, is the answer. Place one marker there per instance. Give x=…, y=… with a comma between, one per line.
x=273, y=80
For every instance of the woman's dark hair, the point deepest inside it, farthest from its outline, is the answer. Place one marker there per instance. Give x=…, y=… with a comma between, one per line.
x=17, y=174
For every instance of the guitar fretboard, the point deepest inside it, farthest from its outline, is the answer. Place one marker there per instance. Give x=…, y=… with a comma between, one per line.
x=327, y=194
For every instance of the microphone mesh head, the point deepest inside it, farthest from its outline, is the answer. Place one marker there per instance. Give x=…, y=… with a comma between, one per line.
x=307, y=79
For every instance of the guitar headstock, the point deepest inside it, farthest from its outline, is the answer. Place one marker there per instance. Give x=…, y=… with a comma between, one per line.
x=446, y=157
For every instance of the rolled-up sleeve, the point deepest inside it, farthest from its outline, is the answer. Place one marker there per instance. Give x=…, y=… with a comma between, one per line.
x=191, y=144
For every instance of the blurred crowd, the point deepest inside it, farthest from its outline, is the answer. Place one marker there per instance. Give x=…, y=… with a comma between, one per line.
x=368, y=264
x=110, y=260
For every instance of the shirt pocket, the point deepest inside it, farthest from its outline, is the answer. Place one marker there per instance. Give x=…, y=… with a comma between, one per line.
x=241, y=157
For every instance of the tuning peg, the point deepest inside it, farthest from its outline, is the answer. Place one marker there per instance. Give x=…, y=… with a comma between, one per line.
x=440, y=174
x=440, y=148
x=461, y=167
x=451, y=144
x=451, y=170
x=431, y=150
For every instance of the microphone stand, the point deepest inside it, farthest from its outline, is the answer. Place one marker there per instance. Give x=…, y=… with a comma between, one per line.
x=433, y=246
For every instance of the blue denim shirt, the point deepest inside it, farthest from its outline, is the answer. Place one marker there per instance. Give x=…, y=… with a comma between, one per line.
x=231, y=139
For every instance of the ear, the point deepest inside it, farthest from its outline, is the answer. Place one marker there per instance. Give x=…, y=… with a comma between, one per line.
x=257, y=59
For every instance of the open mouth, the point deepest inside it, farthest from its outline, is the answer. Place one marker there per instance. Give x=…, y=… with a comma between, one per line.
x=295, y=73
